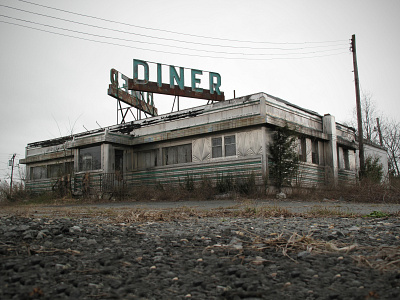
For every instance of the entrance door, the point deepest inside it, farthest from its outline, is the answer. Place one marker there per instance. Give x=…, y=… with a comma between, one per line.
x=119, y=160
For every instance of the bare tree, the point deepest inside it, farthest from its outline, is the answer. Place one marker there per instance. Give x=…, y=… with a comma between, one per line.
x=369, y=115
x=391, y=140
x=390, y=131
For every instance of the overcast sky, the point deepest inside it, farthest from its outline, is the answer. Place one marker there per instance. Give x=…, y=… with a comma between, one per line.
x=53, y=84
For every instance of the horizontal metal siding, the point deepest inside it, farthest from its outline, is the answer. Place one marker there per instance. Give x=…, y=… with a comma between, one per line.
x=95, y=180
x=308, y=175
x=40, y=186
x=212, y=170
x=347, y=177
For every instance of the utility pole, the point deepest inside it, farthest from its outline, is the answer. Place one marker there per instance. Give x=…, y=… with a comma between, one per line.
x=358, y=106
x=379, y=131
x=12, y=172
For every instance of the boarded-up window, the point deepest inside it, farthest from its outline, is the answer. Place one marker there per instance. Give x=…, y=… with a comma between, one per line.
x=177, y=154
x=230, y=145
x=39, y=172
x=90, y=158
x=216, y=144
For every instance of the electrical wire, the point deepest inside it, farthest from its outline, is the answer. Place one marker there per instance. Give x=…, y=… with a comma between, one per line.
x=184, y=48
x=167, y=39
x=168, y=52
x=175, y=32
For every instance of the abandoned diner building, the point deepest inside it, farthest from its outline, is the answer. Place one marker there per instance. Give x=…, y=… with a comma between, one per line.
x=222, y=138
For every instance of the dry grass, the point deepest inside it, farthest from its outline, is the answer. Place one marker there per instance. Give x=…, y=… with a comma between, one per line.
x=384, y=258
x=296, y=243
x=319, y=211
x=365, y=192
x=387, y=258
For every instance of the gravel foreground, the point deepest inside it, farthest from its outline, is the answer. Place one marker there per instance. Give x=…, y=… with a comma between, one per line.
x=200, y=258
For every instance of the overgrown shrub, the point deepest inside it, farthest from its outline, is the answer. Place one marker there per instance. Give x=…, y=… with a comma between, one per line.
x=189, y=183
x=246, y=185
x=224, y=183
x=284, y=156
x=206, y=188
x=18, y=192
x=373, y=169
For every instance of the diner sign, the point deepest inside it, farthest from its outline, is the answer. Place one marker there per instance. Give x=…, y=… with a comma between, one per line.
x=138, y=91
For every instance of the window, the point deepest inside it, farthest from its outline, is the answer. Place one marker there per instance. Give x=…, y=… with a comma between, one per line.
x=58, y=170
x=314, y=152
x=147, y=159
x=55, y=170
x=230, y=145
x=302, y=149
x=119, y=160
x=90, y=158
x=177, y=154
x=216, y=144
x=346, y=159
x=38, y=172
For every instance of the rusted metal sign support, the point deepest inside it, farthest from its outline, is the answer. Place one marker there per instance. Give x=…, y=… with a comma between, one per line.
x=131, y=99
x=165, y=89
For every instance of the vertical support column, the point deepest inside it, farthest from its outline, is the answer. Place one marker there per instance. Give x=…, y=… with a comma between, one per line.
x=27, y=167
x=265, y=144
x=264, y=138
x=107, y=157
x=308, y=150
x=76, y=160
x=321, y=155
x=330, y=150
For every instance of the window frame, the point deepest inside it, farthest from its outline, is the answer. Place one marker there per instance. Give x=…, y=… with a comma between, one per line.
x=221, y=149
x=92, y=153
x=226, y=145
x=314, y=152
x=216, y=149
x=178, y=154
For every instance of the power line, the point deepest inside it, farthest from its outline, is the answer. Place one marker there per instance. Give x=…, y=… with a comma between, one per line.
x=169, y=52
x=167, y=39
x=184, y=48
x=175, y=32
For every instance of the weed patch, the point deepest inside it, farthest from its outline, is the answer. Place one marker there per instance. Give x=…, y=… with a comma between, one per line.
x=377, y=214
